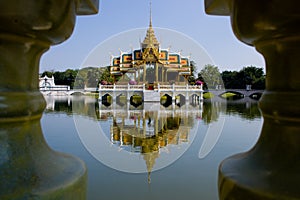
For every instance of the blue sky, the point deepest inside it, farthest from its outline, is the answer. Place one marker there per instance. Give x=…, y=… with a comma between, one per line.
x=212, y=33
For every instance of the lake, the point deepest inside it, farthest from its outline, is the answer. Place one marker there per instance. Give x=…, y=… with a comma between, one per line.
x=149, y=151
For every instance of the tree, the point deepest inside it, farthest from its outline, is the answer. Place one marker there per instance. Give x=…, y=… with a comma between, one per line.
x=254, y=76
x=247, y=76
x=230, y=79
x=105, y=75
x=210, y=74
x=47, y=73
x=192, y=79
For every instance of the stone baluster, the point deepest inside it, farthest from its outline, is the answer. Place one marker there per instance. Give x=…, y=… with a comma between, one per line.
x=29, y=169
x=271, y=169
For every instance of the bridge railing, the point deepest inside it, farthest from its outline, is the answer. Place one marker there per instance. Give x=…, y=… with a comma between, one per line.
x=55, y=88
x=90, y=89
x=179, y=87
x=121, y=87
x=142, y=87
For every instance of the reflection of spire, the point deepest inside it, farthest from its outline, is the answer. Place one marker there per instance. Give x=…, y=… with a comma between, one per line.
x=150, y=162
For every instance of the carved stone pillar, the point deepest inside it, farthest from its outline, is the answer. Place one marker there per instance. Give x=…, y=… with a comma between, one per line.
x=29, y=169
x=271, y=169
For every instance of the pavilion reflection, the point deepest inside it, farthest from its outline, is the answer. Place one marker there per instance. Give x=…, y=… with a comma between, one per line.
x=150, y=128
x=147, y=129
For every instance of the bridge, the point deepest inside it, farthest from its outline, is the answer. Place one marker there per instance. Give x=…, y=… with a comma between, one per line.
x=242, y=93
x=65, y=90
x=151, y=92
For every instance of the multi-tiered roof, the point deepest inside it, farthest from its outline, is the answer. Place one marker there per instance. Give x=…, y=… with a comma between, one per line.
x=150, y=53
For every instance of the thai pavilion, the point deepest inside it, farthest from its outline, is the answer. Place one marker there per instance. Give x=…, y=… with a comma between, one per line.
x=166, y=66
x=154, y=73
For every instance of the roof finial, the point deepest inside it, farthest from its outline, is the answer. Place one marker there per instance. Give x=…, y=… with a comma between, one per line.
x=150, y=24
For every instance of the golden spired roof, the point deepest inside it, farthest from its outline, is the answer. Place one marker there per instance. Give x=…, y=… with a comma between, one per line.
x=150, y=39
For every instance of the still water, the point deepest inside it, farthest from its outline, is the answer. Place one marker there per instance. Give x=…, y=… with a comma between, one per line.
x=150, y=151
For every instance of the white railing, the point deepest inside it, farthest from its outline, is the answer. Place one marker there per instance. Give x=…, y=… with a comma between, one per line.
x=90, y=89
x=121, y=87
x=55, y=88
x=157, y=87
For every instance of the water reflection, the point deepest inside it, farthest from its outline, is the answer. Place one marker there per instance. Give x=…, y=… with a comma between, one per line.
x=208, y=111
x=150, y=129
x=246, y=109
x=192, y=178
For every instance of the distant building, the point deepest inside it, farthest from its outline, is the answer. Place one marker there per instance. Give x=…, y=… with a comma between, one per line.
x=47, y=84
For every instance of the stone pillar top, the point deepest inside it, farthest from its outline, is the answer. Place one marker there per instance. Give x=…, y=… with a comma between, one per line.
x=217, y=7
x=50, y=23
x=87, y=7
x=256, y=21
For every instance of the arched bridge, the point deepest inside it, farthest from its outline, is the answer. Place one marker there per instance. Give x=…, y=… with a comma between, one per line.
x=66, y=91
x=241, y=92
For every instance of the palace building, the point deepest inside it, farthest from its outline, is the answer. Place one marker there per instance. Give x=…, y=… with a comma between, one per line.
x=151, y=73
x=150, y=63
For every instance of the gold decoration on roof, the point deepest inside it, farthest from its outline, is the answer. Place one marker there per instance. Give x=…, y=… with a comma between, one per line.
x=150, y=40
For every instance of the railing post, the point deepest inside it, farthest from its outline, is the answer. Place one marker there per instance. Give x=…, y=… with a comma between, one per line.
x=173, y=93
x=100, y=92
x=29, y=168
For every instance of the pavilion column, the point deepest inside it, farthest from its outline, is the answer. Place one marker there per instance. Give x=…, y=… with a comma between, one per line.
x=156, y=72
x=139, y=75
x=166, y=76
x=162, y=74
x=270, y=170
x=29, y=169
x=144, y=73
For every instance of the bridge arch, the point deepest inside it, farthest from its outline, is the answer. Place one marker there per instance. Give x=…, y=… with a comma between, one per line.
x=194, y=96
x=106, y=99
x=180, y=100
x=166, y=100
x=256, y=95
x=121, y=99
x=231, y=95
x=76, y=93
x=136, y=100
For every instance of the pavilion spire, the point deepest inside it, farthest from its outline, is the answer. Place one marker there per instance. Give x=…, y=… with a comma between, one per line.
x=150, y=23
x=150, y=39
